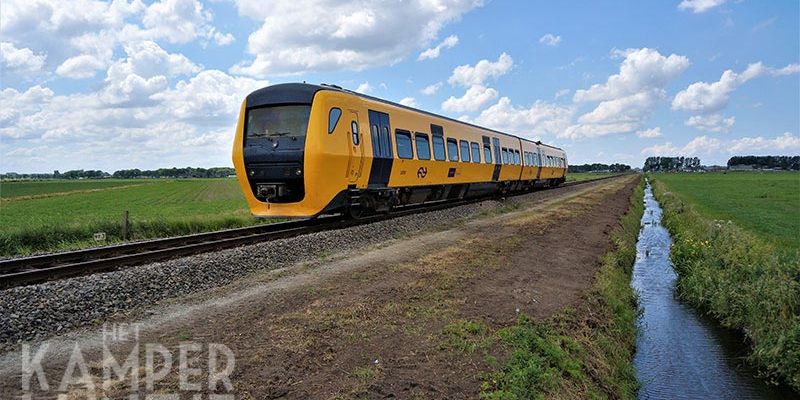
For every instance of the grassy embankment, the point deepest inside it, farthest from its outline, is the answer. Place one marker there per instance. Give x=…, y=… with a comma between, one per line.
x=583, y=176
x=575, y=353
x=736, y=253
x=51, y=215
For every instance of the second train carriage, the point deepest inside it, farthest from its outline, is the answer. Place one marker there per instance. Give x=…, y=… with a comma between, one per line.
x=302, y=150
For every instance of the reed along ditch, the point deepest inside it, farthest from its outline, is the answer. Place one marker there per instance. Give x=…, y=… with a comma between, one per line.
x=680, y=353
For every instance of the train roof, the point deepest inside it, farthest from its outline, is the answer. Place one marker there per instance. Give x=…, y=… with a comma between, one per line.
x=304, y=93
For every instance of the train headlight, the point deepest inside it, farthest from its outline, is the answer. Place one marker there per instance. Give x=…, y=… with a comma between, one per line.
x=252, y=172
x=298, y=172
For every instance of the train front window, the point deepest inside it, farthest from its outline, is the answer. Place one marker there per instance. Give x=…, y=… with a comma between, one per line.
x=291, y=121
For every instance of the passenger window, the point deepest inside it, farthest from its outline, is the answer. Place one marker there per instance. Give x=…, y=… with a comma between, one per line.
x=423, y=146
x=476, y=152
x=404, y=149
x=438, y=148
x=452, y=149
x=333, y=119
x=464, y=151
x=517, y=157
x=354, y=130
x=505, y=155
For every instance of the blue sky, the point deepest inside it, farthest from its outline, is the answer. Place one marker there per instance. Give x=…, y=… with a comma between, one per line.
x=130, y=84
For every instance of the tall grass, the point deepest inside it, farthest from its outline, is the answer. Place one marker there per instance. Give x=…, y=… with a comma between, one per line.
x=578, y=354
x=739, y=279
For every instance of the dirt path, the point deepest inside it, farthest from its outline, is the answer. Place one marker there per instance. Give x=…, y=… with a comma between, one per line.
x=389, y=322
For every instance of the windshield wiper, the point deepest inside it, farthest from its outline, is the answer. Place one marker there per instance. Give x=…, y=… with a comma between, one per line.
x=281, y=133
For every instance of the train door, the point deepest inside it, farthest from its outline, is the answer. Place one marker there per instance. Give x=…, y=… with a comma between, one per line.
x=380, y=133
x=356, y=161
x=498, y=162
x=539, y=162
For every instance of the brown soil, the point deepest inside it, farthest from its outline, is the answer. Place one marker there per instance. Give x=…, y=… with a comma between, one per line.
x=384, y=323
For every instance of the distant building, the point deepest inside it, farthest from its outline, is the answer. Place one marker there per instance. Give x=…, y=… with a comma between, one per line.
x=672, y=164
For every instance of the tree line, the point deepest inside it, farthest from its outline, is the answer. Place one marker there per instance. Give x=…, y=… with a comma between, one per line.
x=597, y=167
x=188, y=172
x=761, y=162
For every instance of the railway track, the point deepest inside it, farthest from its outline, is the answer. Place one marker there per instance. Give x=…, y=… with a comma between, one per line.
x=27, y=270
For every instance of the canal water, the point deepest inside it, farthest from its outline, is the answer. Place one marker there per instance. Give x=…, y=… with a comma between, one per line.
x=681, y=354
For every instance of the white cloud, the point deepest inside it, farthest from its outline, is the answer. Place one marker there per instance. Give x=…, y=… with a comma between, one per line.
x=409, y=102
x=181, y=21
x=562, y=93
x=627, y=98
x=787, y=70
x=550, y=40
x=710, y=97
x=433, y=52
x=649, y=133
x=21, y=61
x=179, y=125
x=364, y=88
x=539, y=119
x=209, y=95
x=711, y=123
x=697, y=146
x=699, y=6
x=641, y=70
x=81, y=37
x=663, y=150
x=786, y=143
x=298, y=36
x=81, y=67
x=752, y=145
x=431, y=89
x=467, y=75
x=472, y=100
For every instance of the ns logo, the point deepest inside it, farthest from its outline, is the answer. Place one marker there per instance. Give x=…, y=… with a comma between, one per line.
x=422, y=172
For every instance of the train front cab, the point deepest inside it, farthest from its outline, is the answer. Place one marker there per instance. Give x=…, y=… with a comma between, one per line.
x=286, y=161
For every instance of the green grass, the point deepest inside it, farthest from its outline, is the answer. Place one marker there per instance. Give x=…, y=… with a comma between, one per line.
x=574, y=354
x=744, y=273
x=764, y=203
x=10, y=190
x=582, y=176
x=158, y=208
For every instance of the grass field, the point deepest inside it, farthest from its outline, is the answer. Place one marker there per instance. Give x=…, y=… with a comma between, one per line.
x=49, y=215
x=764, y=203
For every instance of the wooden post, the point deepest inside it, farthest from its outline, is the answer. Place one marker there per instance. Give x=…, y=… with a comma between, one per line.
x=125, y=225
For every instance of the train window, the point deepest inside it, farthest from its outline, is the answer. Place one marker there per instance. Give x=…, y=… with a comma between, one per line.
x=527, y=158
x=333, y=118
x=517, y=158
x=514, y=157
x=438, y=148
x=403, y=138
x=267, y=122
x=354, y=130
x=505, y=155
x=423, y=146
x=487, y=150
x=452, y=149
x=476, y=152
x=464, y=151
x=437, y=130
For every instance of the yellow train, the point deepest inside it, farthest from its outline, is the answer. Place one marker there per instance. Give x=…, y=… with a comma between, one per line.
x=303, y=150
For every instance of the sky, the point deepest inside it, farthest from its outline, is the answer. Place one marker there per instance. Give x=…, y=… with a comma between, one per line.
x=91, y=84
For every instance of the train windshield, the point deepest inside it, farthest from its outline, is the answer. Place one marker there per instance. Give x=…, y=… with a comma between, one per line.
x=278, y=121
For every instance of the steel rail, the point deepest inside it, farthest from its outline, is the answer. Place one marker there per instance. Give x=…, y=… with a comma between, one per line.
x=45, y=267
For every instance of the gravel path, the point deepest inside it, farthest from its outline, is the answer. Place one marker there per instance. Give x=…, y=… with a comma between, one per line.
x=38, y=311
